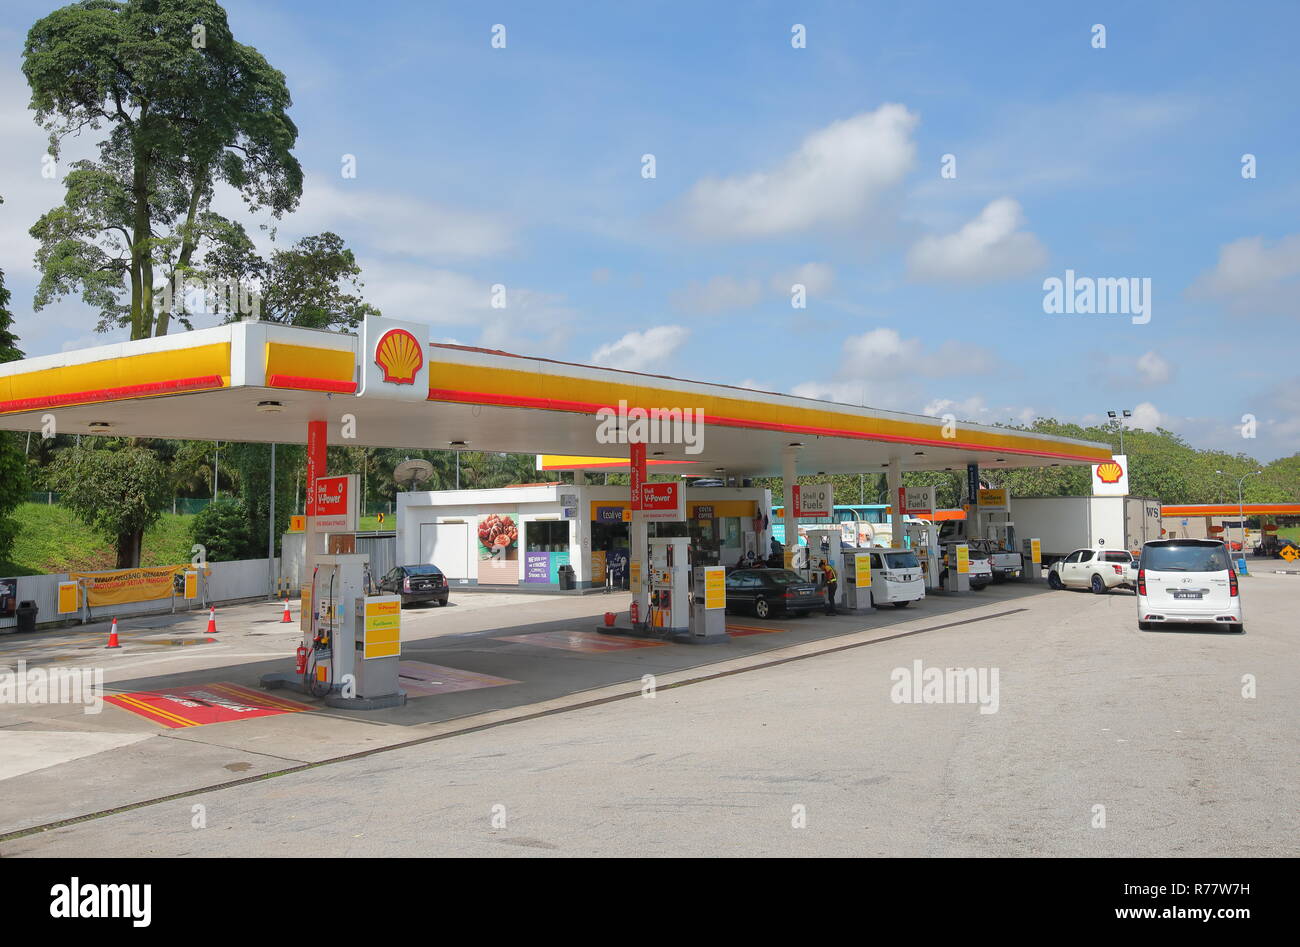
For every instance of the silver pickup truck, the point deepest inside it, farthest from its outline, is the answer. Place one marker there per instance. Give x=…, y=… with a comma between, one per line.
x=1005, y=564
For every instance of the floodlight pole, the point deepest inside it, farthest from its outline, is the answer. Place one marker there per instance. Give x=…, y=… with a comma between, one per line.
x=270, y=535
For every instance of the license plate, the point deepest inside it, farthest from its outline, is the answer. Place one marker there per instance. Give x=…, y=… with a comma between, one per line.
x=1187, y=595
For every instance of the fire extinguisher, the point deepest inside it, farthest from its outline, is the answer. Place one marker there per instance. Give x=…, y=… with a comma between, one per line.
x=636, y=612
x=300, y=665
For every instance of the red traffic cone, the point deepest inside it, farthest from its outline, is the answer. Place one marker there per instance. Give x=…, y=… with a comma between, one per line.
x=212, y=620
x=112, y=636
x=285, y=619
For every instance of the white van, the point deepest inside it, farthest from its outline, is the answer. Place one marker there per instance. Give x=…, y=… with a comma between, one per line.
x=896, y=577
x=1187, y=580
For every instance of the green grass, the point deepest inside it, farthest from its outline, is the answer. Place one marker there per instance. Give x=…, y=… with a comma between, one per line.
x=1289, y=532
x=51, y=539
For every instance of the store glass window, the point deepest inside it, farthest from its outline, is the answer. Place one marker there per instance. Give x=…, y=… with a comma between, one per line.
x=546, y=536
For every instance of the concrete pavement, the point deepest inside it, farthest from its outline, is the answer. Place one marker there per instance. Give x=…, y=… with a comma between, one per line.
x=1153, y=727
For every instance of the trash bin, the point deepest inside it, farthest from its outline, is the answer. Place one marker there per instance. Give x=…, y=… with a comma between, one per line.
x=26, y=614
x=568, y=578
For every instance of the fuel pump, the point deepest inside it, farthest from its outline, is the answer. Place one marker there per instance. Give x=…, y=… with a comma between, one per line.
x=670, y=578
x=923, y=538
x=351, y=644
x=824, y=546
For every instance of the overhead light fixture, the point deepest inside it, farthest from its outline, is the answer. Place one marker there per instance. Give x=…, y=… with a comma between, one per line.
x=795, y=444
x=1001, y=460
x=919, y=453
x=457, y=443
x=99, y=425
x=270, y=407
x=657, y=453
x=1110, y=414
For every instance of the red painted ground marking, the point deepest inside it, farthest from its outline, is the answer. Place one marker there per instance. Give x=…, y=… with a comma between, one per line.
x=740, y=631
x=199, y=704
x=425, y=680
x=587, y=642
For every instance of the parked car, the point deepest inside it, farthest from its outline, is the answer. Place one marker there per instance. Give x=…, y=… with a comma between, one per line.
x=1005, y=563
x=769, y=592
x=980, y=572
x=1188, y=580
x=896, y=578
x=424, y=583
x=1097, y=569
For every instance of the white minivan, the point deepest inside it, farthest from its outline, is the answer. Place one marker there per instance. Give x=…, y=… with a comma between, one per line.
x=896, y=578
x=1187, y=580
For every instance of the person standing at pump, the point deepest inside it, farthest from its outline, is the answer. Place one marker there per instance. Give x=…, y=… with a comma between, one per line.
x=832, y=580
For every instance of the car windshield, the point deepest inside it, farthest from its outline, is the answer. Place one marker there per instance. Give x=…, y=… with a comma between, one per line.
x=977, y=554
x=422, y=570
x=901, y=560
x=1185, y=557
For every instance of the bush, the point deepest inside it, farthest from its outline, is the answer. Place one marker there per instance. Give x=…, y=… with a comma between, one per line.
x=222, y=528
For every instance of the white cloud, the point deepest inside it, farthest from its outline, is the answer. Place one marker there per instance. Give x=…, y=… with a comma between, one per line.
x=719, y=294
x=1251, y=275
x=1147, y=417
x=836, y=176
x=642, y=351
x=815, y=277
x=1153, y=369
x=397, y=224
x=990, y=247
x=881, y=368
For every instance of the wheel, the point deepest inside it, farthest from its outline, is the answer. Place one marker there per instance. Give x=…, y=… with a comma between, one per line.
x=1099, y=585
x=1054, y=581
x=1144, y=626
x=761, y=608
x=902, y=604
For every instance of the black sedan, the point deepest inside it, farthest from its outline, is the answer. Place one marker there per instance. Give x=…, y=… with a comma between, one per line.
x=773, y=592
x=415, y=584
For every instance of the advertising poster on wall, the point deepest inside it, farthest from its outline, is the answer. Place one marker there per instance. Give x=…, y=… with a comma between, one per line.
x=498, y=549
x=537, y=567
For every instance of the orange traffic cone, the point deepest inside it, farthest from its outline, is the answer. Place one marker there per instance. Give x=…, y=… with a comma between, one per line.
x=212, y=620
x=112, y=636
x=285, y=619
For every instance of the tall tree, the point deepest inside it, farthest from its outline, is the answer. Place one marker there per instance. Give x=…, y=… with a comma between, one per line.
x=13, y=467
x=185, y=107
x=119, y=490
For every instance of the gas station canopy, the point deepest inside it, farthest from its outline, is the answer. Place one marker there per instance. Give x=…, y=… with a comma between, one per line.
x=389, y=386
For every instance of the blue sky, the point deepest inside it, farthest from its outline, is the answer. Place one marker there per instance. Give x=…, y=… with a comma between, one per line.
x=774, y=165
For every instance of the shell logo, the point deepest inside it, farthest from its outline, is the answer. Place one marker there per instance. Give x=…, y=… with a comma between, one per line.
x=400, y=355
x=1109, y=472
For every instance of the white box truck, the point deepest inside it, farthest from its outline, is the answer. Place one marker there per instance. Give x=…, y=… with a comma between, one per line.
x=1065, y=524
